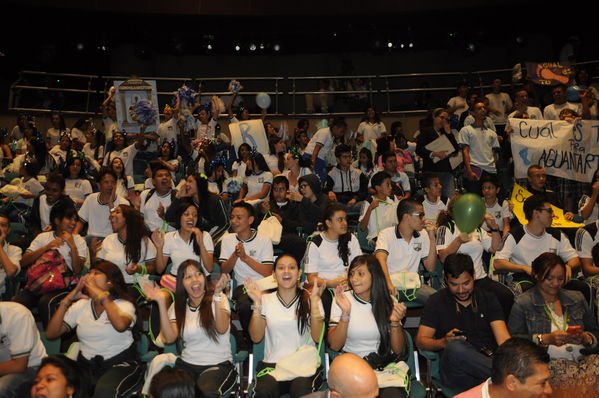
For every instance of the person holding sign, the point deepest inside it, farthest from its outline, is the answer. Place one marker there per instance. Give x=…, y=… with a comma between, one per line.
x=438, y=162
x=480, y=147
x=525, y=243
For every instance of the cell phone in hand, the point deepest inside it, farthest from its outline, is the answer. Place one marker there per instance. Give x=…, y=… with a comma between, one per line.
x=459, y=333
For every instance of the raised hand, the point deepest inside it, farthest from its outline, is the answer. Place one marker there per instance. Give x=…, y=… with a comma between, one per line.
x=132, y=269
x=398, y=312
x=253, y=290
x=318, y=287
x=342, y=300
x=154, y=292
x=158, y=239
x=222, y=283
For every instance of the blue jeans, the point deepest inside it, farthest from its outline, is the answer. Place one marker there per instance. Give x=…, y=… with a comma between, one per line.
x=463, y=366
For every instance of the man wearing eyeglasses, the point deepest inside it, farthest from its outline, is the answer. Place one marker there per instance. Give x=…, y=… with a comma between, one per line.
x=523, y=244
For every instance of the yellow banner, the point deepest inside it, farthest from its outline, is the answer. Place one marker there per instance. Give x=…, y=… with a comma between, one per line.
x=519, y=195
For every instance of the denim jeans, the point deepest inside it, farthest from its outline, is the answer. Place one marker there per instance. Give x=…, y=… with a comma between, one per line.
x=463, y=366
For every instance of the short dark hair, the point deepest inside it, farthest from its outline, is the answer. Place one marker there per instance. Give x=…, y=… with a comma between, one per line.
x=406, y=206
x=516, y=356
x=378, y=178
x=55, y=178
x=62, y=209
x=387, y=155
x=159, y=167
x=427, y=179
x=341, y=149
x=338, y=122
x=280, y=179
x=71, y=372
x=533, y=203
x=490, y=178
x=533, y=167
x=104, y=171
x=456, y=264
x=172, y=383
x=244, y=205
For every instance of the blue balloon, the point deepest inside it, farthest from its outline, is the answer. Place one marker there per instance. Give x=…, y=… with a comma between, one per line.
x=572, y=94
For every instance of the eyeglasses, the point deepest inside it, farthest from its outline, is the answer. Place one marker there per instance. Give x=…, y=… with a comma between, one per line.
x=421, y=215
x=548, y=210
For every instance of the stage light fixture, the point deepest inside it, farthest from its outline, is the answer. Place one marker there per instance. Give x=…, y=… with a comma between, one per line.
x=252, y=47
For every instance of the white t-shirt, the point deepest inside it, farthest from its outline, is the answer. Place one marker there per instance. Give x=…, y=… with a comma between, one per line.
x=323, y=137
x=522, y=247
x=480, y=142
x=533, y=112
x=113, y=250
x=45, y=210
x=479, y=241
x=14, y=254
x=198, y=348
x=457, y=101
x=363, y=335
x=272, y=161
x=97, y=214
x=178, y=250
x=110, y=127
x=53, y=135
x=255, y=183
x=586, y=238
x=371, y=131
x=402, y=255
x=323, y=257
x=432, y=210
x=377, y=216
x=282, y=336
x=168, y=131
x=19, y=335
x=240, y=167
x=499, y=212
x=95, y=333
x=551, y=111
x=122, y=188
x=207, y=130
x=46, y=237
x=500, y=102
x=77, y=188
x=148, y=208
x=257, y=247
x=304, y=171
x=582, y=203
x=90, y=155
x=78, y=135
x=127, y=155
x=33, y=186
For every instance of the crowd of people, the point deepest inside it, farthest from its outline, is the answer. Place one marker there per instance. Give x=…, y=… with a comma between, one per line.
x=324, y=241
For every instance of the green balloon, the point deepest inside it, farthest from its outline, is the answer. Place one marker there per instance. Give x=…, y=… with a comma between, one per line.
x=468, y=212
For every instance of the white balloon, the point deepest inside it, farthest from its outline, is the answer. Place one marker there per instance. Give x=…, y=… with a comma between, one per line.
x=263, y=100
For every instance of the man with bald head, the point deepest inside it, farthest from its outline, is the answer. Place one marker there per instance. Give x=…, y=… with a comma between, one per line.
x=349, y=377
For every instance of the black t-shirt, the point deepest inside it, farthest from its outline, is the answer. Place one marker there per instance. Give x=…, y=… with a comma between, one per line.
x=441, y=313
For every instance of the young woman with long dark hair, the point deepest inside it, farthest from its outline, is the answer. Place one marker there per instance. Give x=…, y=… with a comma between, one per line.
x=200, y=317
x=366, y=320
x=103, y=315
x=285, y=319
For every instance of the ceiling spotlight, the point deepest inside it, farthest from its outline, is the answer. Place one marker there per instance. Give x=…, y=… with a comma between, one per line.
x=471, y=47
x=262, y=46
x=79, y=46
x=237, y=47
x=276, y=47
x=252, y=47
x=402, y=45
x=411, y=45
x=390, y=44
x=209, y=46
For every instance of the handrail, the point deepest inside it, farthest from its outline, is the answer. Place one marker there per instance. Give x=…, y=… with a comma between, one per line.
x=380, y=91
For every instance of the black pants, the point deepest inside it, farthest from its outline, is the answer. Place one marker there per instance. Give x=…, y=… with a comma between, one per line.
x=212, y=381
x=47, y=303
x=268, y=387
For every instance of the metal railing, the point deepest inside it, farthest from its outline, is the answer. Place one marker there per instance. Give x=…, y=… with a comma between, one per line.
x=80, y=94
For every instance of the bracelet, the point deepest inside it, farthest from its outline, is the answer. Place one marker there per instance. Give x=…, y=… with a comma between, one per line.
x=395, y=324
x=103, y=299
x=102, y=295
x=540, y=340
x=217, y=298
x=344, y=318
x=256, y=307
x=144, y=269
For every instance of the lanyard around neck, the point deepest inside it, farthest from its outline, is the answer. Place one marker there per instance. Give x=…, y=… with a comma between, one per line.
x=554, y=321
